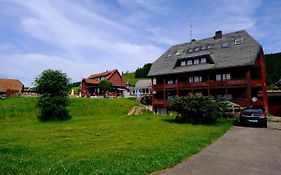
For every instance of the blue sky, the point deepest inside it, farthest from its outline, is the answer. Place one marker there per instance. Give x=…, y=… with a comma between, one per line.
x=82, y=37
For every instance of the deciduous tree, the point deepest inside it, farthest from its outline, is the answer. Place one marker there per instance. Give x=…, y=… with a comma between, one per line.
x=53, y=87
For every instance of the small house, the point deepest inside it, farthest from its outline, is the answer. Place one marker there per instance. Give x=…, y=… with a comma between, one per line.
x=10, y=86
x=90, y=85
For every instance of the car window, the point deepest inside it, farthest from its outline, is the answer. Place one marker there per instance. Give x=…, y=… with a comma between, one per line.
x=253, y=111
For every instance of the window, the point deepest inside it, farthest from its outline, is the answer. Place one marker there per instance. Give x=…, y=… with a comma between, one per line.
x=209, y=47
x=203, y=60
x=183, y=63
x=196, y=61
x=197, y=78
x=238, y=41
x=225, y=44
x=228, y=77
x=218, y=77
x=223, y=77
x=228, y=96
x=203, y=48
x=169, y=54
x=179, y=52
x=190, y=79
x=197, y=49
x=154, y=81
x=102, y=78
x=190, y=50
x=170, y=82
x=189, y=62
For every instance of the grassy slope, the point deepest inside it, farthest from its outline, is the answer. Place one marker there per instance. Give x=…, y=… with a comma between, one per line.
x=99, y=139
x=130, y=77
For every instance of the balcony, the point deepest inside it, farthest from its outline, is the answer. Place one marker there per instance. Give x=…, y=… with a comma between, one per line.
x=228, y=83
x=205, y=84
x=161, y=102
x=256, y=83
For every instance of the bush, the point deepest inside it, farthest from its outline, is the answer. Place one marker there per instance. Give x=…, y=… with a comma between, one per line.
x=105, y=86
x=198, y=109
x=53, y=87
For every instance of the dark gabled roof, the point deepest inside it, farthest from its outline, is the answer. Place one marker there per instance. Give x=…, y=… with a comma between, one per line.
x=230, y=56
x=143, y=84
x=11, y=84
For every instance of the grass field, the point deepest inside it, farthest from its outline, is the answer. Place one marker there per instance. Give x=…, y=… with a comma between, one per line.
x=130, y=78
x=99, y=139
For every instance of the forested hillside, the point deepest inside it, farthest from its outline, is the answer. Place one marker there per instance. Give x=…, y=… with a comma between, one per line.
x=273, y=67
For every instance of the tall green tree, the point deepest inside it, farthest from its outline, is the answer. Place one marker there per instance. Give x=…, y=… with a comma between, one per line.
x=105, y=86
x=273, y=68
x=53, y=87
x=142, y=72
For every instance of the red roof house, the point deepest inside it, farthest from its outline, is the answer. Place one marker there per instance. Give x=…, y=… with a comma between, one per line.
x=90, y=85
x=10, y=86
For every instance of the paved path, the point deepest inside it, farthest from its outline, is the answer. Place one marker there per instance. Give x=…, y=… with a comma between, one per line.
x=242, y=150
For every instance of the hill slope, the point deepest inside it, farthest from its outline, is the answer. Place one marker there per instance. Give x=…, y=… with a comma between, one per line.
x=130, y=78
x=99, y=139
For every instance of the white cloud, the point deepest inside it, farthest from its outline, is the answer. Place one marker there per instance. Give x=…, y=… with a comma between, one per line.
x=85, y=37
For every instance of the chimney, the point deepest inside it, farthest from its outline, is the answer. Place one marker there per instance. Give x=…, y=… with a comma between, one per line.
x=218, y=35
x=193, y=40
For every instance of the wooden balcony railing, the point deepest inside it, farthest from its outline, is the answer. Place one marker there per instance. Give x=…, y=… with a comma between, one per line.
x=211, y=83
x=160, y=102
x=256, y=83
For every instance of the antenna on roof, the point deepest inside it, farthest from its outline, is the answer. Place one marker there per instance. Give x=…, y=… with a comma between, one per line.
x=190, y=32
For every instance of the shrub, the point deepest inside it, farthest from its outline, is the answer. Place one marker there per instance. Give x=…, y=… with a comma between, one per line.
x=198, y=109
x=53, y=87
x=105, y=86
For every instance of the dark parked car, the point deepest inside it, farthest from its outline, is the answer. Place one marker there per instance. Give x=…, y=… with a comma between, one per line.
x=253, y=116
x=146, y=100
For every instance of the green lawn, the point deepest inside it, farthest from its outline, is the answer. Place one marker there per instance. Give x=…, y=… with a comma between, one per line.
x=130, y=78
x=99, y=139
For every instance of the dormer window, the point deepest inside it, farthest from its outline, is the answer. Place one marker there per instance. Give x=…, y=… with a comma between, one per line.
x=238, y=41
x=203, y=48
x=209, y=47
x=189, y=62
x=169, y=54
x=197, y=49
x=183, y=63
x=190, y=50
x=225, y=44
x=194, y=61
x=179, y=52
x=203, y=60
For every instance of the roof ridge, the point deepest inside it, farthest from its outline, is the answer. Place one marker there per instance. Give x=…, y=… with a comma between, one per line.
x=200, y=40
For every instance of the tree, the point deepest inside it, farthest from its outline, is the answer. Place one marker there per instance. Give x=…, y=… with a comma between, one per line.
x=273, y=68
x=105, y=86
x=198, y=109
x=142, y=72
x=53, y=87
